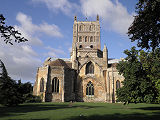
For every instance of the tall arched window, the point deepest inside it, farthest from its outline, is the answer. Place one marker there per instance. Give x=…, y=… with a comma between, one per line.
x=117, y=84
x=86, y=39
x=90, y=89
x=91, y=39
x=55, y=85
x=90, y=68
x=80, y=28
x=80, y=39
x=42, y=85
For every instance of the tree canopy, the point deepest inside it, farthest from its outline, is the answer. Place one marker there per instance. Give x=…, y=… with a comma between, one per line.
x=9, y=33
x=145, y=28
x=139, y=83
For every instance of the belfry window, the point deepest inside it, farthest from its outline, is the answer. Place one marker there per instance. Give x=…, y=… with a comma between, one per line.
x=117, y=84
x=80, y=28
x=42, y=85
x=90, y=68
x=86, y=39
x=55, y=85
x=91, y=39
x=90, y=89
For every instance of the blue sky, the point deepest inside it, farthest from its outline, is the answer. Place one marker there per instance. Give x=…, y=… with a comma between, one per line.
x=47, y=24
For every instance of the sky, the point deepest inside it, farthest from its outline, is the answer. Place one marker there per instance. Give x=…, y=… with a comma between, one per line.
x=48, y=26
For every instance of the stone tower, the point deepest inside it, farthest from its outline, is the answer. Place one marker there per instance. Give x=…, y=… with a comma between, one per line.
x=86, y=40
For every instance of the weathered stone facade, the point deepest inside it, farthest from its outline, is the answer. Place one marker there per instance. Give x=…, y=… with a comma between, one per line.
x=88, y=76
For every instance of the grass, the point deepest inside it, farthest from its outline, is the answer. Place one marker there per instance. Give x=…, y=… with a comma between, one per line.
x=81, y=111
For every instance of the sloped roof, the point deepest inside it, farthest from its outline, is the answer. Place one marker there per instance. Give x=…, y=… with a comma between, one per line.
x=59, y=62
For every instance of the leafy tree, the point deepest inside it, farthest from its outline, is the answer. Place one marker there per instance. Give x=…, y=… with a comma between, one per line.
x=13, y=93
x=137, y=86
x=145, y=28
x=9, y=33
x=8, y=94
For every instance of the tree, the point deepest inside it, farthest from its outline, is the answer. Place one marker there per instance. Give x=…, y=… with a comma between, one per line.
x=8, y=94
x=13, y=93
x=9, y=33
x=137, y=85
x=145, y=28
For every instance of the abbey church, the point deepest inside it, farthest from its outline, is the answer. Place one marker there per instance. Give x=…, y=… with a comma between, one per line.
x=88, y=75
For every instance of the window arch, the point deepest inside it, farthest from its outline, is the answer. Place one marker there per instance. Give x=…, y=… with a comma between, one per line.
x=117, y=84
x=90, y=68
x=90, y=89
x=80, y=39
x=55, y=85
x=42, y=85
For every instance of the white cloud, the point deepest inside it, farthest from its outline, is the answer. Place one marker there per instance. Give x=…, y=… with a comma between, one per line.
x=21, y=59
x=30, y=30
x=64, y=6
x=114, y=15
x=54, y=52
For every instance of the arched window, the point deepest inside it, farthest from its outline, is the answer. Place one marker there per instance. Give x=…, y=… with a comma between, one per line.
x=90, y=28
x=86, y=39
x=90, y=68
x=80, y=39
x=42, y=85
x=80, y=28
x=55, y=85
x=117, y=84
x=90, y=89
x=91, y=39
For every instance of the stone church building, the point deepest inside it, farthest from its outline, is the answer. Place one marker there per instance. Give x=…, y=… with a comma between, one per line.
x=89, y=75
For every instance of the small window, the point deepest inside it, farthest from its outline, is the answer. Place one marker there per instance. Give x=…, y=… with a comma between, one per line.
x=80, y=28
x=86, y=39
x=90, y=28
x=55, y=85
x=80, y=39
x=91, y=46
x=90, y=89
x=91, y=39
x=80, y=46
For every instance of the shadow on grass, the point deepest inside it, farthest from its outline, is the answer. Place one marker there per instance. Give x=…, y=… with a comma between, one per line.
x=25, y=108
x=117, y=116
x=149, y=108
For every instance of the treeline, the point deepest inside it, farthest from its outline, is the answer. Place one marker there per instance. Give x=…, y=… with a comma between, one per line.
x=141, y=67
x=13, y=93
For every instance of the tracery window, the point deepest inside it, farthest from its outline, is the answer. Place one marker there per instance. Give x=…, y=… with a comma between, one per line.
x=117, y=84
x=55, y=85
x=42, y=85
x=90, y=68
x=90, y=89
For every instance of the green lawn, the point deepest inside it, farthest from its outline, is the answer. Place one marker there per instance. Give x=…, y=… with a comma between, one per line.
x=81, y=111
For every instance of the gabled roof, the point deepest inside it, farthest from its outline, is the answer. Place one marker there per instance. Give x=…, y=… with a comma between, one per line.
x=59, y=62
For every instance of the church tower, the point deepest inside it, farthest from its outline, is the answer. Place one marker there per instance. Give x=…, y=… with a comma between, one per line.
x=86, y=40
